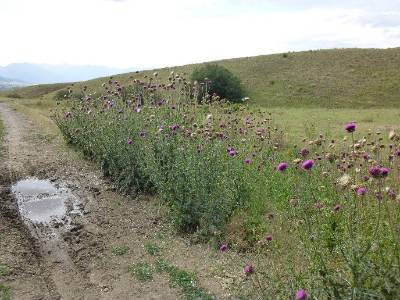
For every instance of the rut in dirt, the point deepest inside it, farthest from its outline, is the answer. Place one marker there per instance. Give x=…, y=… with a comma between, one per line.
x=46, y=210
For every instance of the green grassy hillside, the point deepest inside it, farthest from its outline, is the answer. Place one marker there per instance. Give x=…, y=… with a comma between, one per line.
x=34, y=91
x=338, y=78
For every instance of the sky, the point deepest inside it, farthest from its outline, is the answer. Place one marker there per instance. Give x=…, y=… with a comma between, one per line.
x=159, y=33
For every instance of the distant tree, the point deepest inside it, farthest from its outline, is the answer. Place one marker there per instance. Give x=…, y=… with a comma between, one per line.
x=14, y=95
x=61, y=95
x=216, y=79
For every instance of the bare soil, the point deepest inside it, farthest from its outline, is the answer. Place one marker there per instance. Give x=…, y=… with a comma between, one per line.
x=79, y=261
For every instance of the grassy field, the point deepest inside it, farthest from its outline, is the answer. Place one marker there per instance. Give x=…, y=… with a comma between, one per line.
x=34, y=91
x=303, y=122
x=339, y=78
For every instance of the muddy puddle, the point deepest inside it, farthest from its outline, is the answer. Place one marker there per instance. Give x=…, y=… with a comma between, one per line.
x=44, y=203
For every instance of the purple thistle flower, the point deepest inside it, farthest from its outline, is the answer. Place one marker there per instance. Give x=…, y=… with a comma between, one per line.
x=392, y=194
x=268, y=237
x=248, y=269
x=231, y=151
x=397, y=152
x=282, y=166
x=304, y=152
x=130, y=141
x=247, y=161
x=384, y=172
x=110, y=103
x=374, y=171
x=361, y=191
x=259, y=131
x=174, y=127
x=301, y=295
x=223, y=247
x=307, y=164
x=337, y=208
x=350, y=127
x=142, y=134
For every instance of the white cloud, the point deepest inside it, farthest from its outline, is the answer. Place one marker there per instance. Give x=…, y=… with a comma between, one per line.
x=159, y=33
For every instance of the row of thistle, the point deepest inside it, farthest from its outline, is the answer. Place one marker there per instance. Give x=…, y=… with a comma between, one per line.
x=212, y=161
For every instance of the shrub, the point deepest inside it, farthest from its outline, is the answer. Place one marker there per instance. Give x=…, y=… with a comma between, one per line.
x=61, y=95
x=76, y=95
x=219, y=80
x=14, y=95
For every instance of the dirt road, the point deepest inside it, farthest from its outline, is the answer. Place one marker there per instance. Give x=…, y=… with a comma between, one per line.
x=78, y=255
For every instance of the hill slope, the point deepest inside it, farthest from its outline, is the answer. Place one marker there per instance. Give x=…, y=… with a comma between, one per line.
x=349, y=78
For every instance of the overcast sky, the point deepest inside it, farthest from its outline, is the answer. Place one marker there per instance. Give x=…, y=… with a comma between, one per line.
x=146, y=33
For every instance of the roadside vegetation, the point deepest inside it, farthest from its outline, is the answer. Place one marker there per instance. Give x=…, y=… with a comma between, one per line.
x=319, y=212
x=4, y=289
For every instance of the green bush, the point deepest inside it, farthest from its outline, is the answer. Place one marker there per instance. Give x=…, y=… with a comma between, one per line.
x=61, y=95
x=219, y=80
x=77, y=95
x=14, y=95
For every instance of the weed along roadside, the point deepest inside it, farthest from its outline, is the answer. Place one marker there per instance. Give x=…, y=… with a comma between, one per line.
x=313, y=213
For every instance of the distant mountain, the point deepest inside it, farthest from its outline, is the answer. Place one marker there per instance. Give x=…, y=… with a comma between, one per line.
x=43, y=73
x=8, y=83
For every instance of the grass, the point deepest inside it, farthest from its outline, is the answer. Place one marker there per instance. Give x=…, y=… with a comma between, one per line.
x=120, y=250
x=178, y=278
x=4, y=292
x=337, y=78
x=298, y=122
x=4, y=271
x=184, y=280
x=142, y=271
x=152, y=249
x=34, y=91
